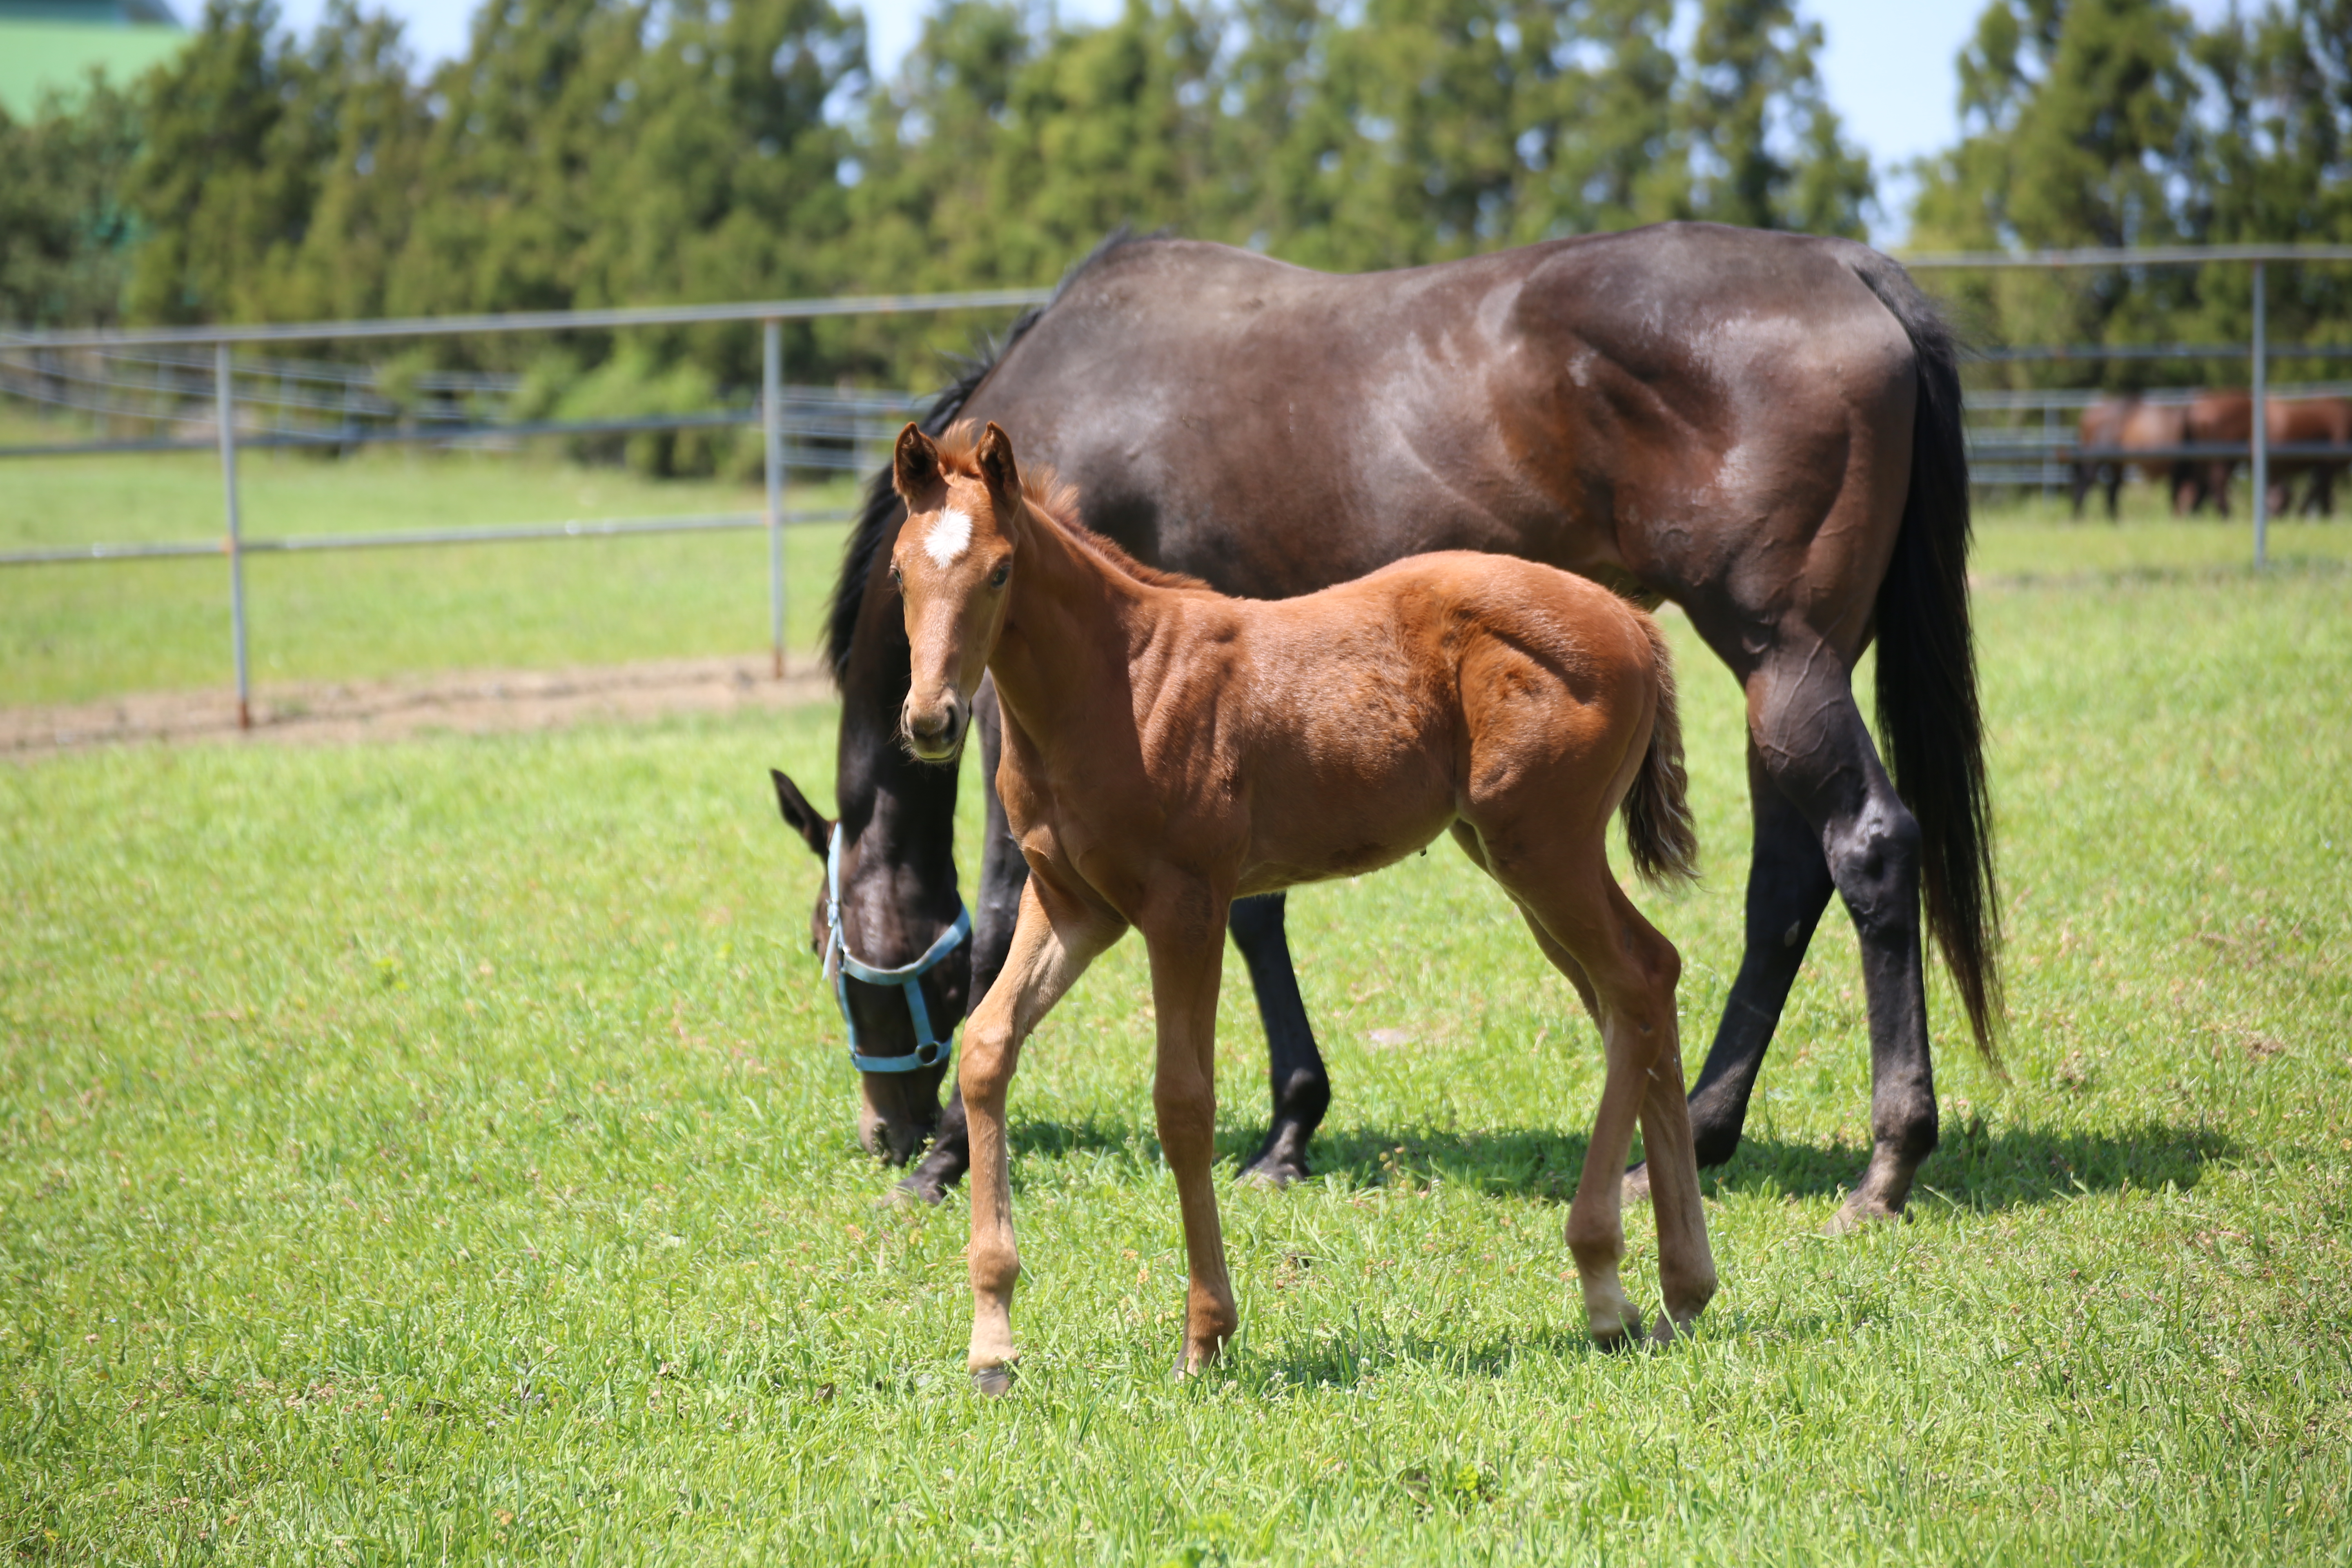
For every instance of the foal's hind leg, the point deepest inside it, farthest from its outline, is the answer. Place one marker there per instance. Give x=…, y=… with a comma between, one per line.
x=1625, y=970
x=1186, y=937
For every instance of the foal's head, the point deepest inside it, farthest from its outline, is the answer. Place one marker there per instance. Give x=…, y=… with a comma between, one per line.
x=966, y=515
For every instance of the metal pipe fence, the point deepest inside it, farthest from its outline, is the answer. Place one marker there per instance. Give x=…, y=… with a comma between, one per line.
x=2259, y=353
x=291, y=402
x=832, y=426
x=2029, y=440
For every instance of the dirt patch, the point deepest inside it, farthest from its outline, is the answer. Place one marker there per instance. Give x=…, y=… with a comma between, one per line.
x=472, y=702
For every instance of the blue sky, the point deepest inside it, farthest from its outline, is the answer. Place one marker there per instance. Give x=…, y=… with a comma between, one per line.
x=1885, y=64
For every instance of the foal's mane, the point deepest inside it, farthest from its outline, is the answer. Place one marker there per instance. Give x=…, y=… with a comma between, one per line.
x=880, y=513
x=1055, y=501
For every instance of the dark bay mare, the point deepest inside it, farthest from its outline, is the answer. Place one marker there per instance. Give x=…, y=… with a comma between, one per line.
x=1763, y=428
x=1166, y=750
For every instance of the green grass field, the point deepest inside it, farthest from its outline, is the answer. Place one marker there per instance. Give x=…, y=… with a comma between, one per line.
x=443, y=1151
x=81, y=630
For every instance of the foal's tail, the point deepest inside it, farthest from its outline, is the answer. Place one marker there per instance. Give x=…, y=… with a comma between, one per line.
x=1658, y=827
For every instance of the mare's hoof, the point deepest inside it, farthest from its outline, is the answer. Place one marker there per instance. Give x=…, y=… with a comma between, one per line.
x=1268, y=1170
x=919, y=1186
x=1859, y=1212
x=1635, y=1188
x=995, y=1381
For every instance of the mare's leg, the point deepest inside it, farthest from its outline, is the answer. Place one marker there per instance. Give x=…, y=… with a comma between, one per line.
x=1817, y=751
x=997, y=906
x=1049, y=951
x=2115, y=493
x=1187, y=955
x=1788, y=885
x=1302, y=1087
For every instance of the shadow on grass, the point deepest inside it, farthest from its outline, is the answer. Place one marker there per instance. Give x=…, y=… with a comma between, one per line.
x=1981, y=1169
x=1975, y=1168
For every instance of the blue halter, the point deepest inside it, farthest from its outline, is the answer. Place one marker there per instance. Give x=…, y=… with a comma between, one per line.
x=930, y=1050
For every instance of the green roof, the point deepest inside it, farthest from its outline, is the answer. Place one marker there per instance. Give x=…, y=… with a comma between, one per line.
x=36, y=56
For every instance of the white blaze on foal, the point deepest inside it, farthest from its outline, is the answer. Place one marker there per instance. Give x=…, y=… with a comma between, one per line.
x=948, y=536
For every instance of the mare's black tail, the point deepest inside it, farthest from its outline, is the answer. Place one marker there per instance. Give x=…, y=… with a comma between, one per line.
x=1928, y=721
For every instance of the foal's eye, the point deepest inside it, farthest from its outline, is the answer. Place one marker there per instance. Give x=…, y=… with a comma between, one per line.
x=996, y=579
x=897, y=578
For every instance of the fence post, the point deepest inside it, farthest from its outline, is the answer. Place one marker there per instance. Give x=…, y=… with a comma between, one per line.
x=771, y=418
x=225, y=413
x=2261, y=430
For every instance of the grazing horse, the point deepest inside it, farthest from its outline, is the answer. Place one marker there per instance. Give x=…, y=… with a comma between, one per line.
x=2307, y=423
x=1763, y=428
x=1167, y=749
x=2101, y=430
x=2216, y=419
x=2121, y=425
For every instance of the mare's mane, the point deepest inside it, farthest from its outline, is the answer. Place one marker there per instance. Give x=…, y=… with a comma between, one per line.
x=1057, y=502
x=879, y=514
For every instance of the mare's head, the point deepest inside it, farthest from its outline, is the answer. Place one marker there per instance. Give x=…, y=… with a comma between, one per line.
x=966, y=515
x=890, y=915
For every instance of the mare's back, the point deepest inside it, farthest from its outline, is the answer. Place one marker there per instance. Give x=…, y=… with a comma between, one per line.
x=1273, y=430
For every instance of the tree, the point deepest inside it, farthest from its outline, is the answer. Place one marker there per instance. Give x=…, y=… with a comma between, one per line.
x=2277, y=166
x=2081, y=128
x=1763, y=145
x=66, y=237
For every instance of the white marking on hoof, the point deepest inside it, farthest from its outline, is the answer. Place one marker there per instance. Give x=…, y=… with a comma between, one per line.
x=948, y=536
x=995, y=1381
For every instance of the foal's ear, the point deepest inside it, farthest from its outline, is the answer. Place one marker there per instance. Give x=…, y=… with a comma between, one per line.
x=995, y=457
x=915, y=466
x=811, y=824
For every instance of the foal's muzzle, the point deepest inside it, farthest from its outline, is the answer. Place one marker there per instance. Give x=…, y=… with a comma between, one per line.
x=935, y=731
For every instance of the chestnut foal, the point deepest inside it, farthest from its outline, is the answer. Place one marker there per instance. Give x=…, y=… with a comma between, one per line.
x=1168, y=750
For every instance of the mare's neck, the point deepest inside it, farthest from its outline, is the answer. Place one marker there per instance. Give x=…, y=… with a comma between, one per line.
x=900, y=812
x=1061, y=662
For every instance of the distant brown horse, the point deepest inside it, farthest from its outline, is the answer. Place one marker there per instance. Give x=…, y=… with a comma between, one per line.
x=2307, y=422
x=1168, y=750
x=2227, y=418
x=2124, y=425
x=2100, y=429
x=2217, y=419
x=1765, y=428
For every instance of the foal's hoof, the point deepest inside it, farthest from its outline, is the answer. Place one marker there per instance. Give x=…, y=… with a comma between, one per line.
x=1859, y=1212
x=995, y=1381
x=1625, y=1338
x=1665, y=1330
x=1635, y=1188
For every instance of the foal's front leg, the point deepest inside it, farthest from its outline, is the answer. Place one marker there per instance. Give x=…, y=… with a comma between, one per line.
x=1186, y=965
x=1048, y=955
